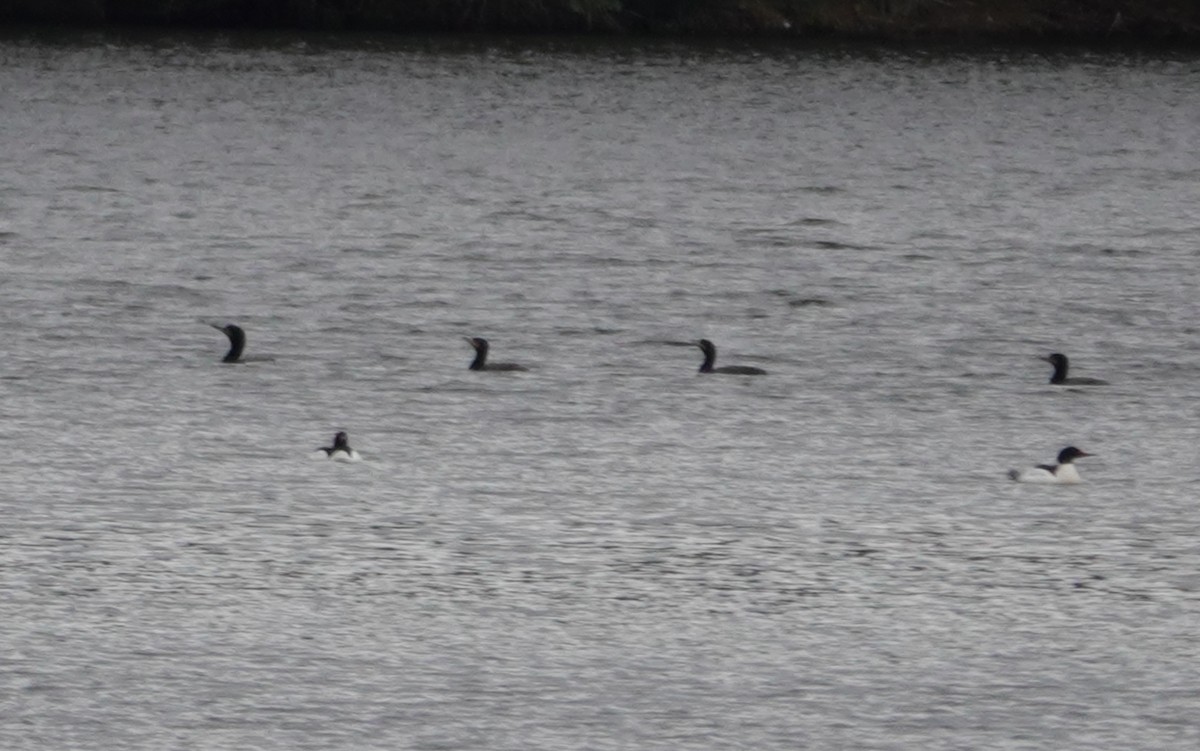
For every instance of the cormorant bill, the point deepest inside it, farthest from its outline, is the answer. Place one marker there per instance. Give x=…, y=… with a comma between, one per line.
x=237, y=341
x=1060, y=378
x=481, y=352
x=710, y=356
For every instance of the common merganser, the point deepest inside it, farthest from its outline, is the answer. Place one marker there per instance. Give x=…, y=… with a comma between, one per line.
x=710, y=356
x=340, y=451
x=481, y=352
x=1063, y=472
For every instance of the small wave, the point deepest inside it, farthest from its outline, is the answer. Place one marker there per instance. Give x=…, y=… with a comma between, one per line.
x=90, y=189
x=665, y=343
x=522, y=214
x=808, y=302
x=836, y=245
x=814, y=221
x=585, y=332
x=935, y=234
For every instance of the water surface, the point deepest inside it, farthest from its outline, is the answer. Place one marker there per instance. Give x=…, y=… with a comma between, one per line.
x=608, y=551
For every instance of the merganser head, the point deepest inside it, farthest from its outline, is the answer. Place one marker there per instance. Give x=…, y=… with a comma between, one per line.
x=1070, y=454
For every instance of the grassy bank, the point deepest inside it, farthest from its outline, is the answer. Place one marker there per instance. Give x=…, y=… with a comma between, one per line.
x=891, y=19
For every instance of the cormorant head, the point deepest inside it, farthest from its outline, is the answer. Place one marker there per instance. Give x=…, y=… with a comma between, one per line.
x=1060, y=367
x=237, y=340
x=481, y=350
x=231, y=330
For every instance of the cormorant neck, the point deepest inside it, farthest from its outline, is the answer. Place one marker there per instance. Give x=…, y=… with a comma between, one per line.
x=1060, y=371
x=480, y=357
x=237, y=342
x=710, y=357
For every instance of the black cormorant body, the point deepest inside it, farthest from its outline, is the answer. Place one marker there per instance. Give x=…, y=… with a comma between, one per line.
x=1060, y=378
x=710, y=356
x=481, y=352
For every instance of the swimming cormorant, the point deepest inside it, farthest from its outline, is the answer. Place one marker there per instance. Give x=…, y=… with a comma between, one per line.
x=710, y=356
x=481, y=352
x=1060, y=378
x=237, y=341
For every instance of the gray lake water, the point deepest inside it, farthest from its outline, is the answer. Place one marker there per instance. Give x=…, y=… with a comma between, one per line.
x=608, y=551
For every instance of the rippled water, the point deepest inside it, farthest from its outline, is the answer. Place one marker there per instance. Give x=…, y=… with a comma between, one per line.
x=607, y=551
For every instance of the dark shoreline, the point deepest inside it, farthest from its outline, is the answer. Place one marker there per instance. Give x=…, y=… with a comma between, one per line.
x=1159, y=22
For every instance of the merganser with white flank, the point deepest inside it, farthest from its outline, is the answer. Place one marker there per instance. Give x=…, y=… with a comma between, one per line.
x=1063, y=472
x=340, y=451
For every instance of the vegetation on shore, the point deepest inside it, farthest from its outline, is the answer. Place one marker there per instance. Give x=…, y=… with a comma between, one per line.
x=1063, y=19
